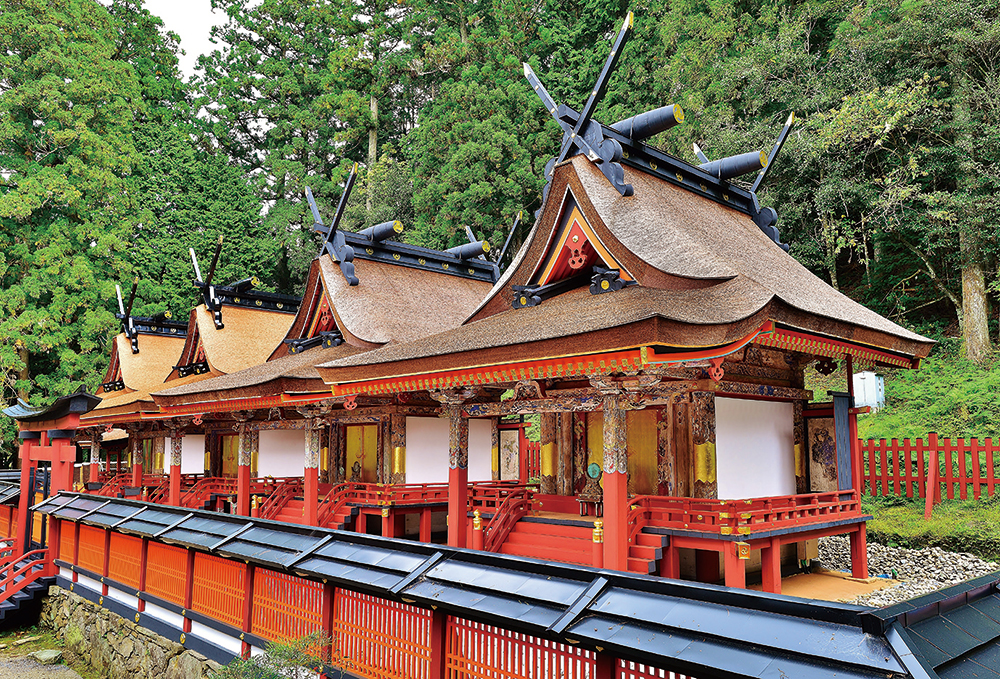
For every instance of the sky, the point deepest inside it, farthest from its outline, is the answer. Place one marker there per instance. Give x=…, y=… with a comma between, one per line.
x=192, y=20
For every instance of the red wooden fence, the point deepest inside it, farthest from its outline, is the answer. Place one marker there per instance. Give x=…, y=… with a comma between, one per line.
x=966, y=468
x=532, y=458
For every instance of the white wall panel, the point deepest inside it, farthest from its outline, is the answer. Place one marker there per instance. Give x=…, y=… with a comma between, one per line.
x=192, y=454
x=282, y=453
x=427, y=450
x=754, y=447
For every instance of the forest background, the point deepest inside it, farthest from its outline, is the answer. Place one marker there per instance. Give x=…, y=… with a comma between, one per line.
x=112, y=165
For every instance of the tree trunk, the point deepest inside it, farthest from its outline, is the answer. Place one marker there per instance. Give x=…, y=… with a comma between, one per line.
x=372, y=148
x=975, y=305
x=829, y=249
x=24, y=373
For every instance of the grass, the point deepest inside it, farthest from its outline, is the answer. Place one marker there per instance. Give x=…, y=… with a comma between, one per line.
x=956, y=525
x=45, y=640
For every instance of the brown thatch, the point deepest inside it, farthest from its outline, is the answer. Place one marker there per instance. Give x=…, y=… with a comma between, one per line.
x=248, y=338
x=394, y=303
x=148, y=369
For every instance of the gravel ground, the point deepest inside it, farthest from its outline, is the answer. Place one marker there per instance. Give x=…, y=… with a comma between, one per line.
x=921, y=570
x=27, y=668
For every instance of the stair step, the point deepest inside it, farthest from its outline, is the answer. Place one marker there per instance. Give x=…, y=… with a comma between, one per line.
x=649, y=539
x=548, y=553
x=550, y=541
x=640, y=566
x=553, y=529
x=644, y=552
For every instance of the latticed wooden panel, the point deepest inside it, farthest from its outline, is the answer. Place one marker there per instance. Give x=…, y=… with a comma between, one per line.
x=6, y=529
x=284, y=606
x=380, y=639
x=218, y=588
x=166, y=567
x=633, y=670
x=485, y=652
x=91, y=549
x=125, y=559
x=67, y=541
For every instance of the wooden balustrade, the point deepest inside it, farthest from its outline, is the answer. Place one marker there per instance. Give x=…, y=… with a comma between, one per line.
x=739, y=517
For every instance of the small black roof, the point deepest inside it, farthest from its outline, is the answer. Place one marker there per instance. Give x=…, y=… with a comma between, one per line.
x=79, y=402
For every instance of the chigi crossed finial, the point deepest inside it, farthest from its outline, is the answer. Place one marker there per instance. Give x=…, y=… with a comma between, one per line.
x=611, y=146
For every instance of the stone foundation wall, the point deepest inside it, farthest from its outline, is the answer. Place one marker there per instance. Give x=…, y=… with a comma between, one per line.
x=118, y=647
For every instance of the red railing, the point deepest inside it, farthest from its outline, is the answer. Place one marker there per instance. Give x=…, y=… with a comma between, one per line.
x=488, y=496
x=514, y=507
x=118, y=483
x=966, y=467
x=739, y=517
x=531, y=457
x=279, y=497
x=197, y=494
x=14, y=577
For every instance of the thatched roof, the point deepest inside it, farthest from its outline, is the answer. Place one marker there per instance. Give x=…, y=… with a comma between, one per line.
x=148, y=369
x=700, y=267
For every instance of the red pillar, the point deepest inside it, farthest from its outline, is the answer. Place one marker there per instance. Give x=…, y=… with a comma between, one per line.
x=176, y=457
x=95, y=457
x=311, y=496
x=458, y=477
x=439, y=644
x=136, y=447
x=28, y=467
x=425, y=525
x=458, y=506
x=736, y=575
x=310, y=475
x=615, y=479
x=670, y=564
x=243, y=490
x=770, y=562
x=859, y=552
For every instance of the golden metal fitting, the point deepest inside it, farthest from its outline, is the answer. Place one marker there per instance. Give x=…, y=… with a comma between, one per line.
x=477, y=520
x=598, y=531
x=743, y=550
x=385, y=512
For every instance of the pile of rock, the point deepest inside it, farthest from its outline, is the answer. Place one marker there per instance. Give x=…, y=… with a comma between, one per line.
x=921, y=570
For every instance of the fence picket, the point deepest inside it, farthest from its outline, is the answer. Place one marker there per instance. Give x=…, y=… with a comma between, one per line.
x=921, y=474
x=990, y=469
x=977, y=472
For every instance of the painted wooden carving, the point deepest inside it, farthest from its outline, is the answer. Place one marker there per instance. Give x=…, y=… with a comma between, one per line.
x=703, y=438
x=822, y=443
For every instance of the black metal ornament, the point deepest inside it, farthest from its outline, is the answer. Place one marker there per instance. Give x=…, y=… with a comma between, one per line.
x=334, y=242
x=826, y=366
x=585, y=135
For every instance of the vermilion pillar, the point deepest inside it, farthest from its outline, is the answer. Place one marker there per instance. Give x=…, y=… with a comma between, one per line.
x=95, y=457
x=458, y=476
x=176, y=457
x=136, y=446
x=249, y=441
x=29, y=440
x=310, y=479
x=615, y=484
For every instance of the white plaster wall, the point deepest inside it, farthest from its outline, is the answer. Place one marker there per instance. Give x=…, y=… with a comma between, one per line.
x=427, y=450
x=754, y=448
x=480, y=450
x=282, y=453
x=192, y=454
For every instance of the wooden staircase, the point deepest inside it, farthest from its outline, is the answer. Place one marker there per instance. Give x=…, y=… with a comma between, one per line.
x=573, y=542
x=553, y=541
x=342, y=517
x=23, y=583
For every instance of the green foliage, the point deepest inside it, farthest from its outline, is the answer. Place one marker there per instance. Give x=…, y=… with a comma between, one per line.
x=949, y=395
x=66, y=107
x=955, y=525
x=294, y=659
